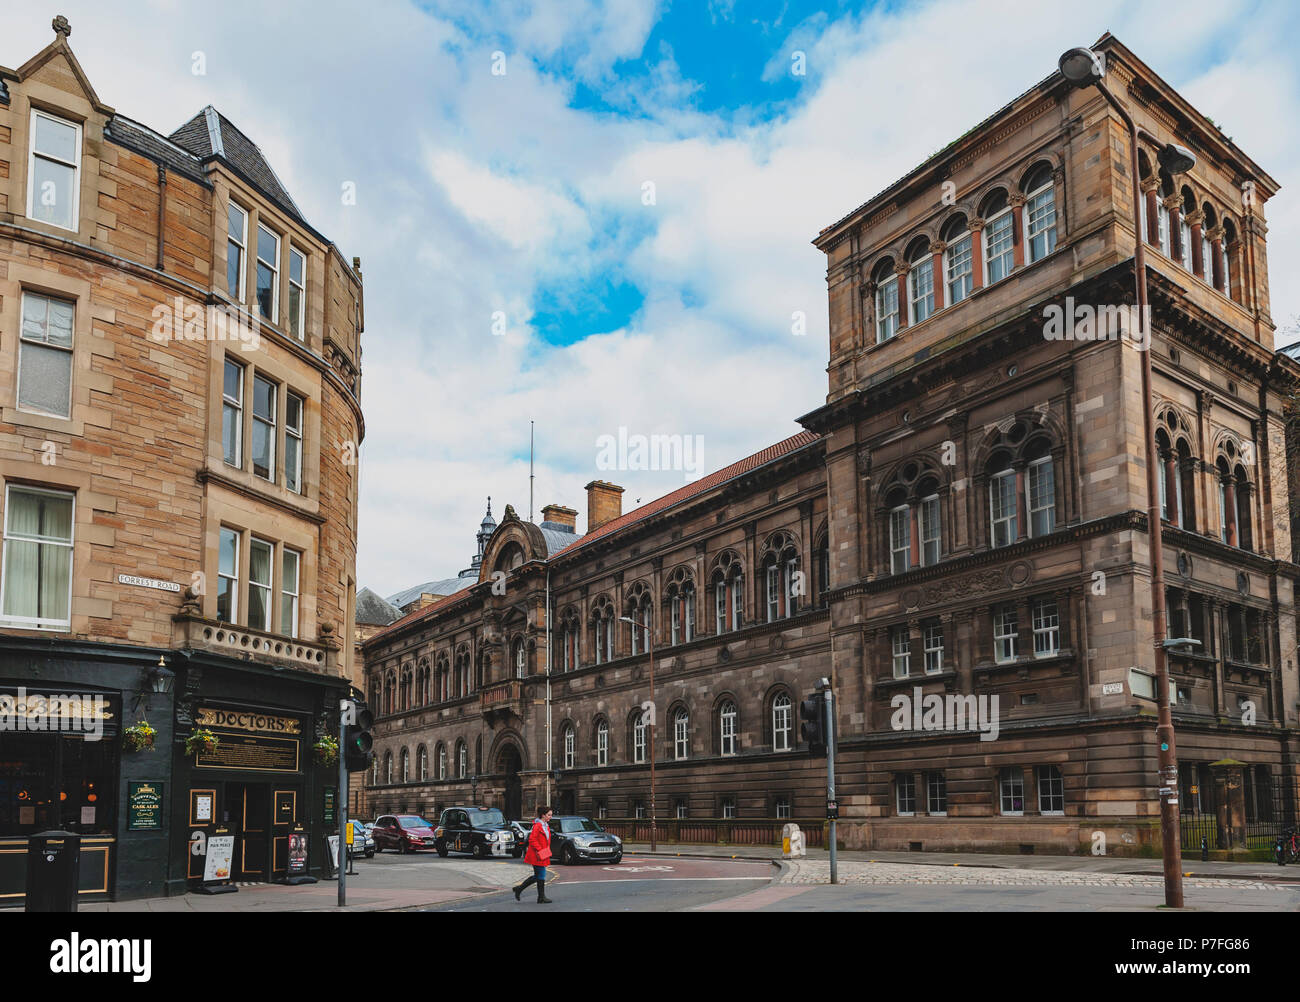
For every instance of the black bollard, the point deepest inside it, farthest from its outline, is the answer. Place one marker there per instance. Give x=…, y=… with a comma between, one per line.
x=1205, y=850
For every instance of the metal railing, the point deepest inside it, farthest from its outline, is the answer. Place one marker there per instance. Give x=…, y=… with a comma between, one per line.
x=716, y=831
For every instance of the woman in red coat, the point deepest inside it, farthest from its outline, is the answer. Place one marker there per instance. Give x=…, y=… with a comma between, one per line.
x=538, y=854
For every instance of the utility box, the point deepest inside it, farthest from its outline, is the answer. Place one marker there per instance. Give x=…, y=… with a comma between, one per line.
x=53, y=871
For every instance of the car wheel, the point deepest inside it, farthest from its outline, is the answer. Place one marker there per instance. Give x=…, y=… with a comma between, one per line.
x=568, y=856
x=478, y=851
x=618, y=859
x=517, y=853
x=441, y=849
x=371, y=854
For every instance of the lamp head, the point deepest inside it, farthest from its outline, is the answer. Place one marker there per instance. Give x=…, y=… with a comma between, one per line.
x=1176, y=159
x=1082, y=67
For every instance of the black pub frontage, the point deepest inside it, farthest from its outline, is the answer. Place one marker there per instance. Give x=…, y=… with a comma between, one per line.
x=74, y=756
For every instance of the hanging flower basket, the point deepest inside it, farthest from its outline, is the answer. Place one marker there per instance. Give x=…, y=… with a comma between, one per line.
x=326, y=750
x=201, y=740
x=139, y=737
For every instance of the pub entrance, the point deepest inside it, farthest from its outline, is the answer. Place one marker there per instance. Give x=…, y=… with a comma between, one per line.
x=509, y=764
x=261, y=816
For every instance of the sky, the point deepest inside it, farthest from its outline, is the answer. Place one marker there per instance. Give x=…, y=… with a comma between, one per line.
x=598, y=216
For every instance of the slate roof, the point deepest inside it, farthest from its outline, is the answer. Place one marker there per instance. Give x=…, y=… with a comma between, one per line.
x=1291, y=351
x=143, y=140
x=772, y=453
x=447, y=586
x=374, y=611
x=211, y=134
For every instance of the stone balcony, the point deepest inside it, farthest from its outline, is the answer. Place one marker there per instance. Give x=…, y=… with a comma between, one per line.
x=501, y=700
x=196, y=633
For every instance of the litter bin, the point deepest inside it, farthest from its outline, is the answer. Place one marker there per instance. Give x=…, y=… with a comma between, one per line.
x=53, y=869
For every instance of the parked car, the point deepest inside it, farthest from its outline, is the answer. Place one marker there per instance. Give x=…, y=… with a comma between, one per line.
x=363, y=843
x=575, y=838
x=402, y=832
x=479, y=831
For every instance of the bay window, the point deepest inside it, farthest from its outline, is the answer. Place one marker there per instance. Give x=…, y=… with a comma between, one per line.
x=268, y=274
x=228, y=576
x=236, y=242
x=289, y=592
x=297, y=294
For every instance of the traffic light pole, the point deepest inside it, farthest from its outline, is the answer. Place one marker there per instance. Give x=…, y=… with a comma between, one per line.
x=341, y=803
x=830, y=775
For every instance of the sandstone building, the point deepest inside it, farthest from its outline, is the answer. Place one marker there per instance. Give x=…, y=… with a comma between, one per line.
x=965, y=516
x=179, y=363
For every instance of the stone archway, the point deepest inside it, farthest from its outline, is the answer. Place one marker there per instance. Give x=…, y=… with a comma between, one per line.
x=508, y=765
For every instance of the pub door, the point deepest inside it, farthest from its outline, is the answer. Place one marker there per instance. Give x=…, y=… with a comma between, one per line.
x=248, y=812
x=283, y=817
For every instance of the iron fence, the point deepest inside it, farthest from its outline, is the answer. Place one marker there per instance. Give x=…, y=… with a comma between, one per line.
x=1272, y=803
x=716, y=831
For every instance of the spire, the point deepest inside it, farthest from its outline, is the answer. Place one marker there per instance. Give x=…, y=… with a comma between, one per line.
x=485, y=530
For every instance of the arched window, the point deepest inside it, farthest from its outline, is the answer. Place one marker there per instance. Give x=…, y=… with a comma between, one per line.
x=999, y=237
x=422, y=762
x=639, y=610
x=782, y=723
x=727, y=728
x=920, y=281
x=602, y=630
x=462, y=760
x=388, y=768
x=478, y=756
x=1040, y=213
x=681, y=734
x=374, y=771
x=915, y=528
x=442, y=761
x=1207, y=243
x=1243, y=509
x=569, y=746
x=1231, y=280
x=782, y=580
x=1185, y=229
x=681, y=606
x=886, y=301
x=442, y=674
x=1004, y=528
x=958, y=259
x=1040, y=489
x=406, y=766
x=602, y=743
x=822, y=556
x=1234, y=498
x=569, y=631
x=638, y=737
x=521, y=659
x=728, y=594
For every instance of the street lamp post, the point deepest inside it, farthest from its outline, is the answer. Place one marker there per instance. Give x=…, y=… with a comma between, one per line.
x=1083, y=68
x=650, y=648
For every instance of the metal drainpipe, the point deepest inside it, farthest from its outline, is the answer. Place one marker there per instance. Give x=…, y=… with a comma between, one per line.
x=548, y=684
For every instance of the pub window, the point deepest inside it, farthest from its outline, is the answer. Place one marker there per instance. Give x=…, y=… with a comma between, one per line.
x=45, y=355
x=37, y=582
x=54, y=171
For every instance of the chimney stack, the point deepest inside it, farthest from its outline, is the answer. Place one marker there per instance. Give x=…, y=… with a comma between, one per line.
x=604, y=503
x=560, y=517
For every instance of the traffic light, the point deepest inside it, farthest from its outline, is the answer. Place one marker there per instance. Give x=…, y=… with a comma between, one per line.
x=812, y=711
x=357, y=742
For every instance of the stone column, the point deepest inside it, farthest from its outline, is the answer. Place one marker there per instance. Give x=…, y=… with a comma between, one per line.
x=904, y=307
x=1150, y=186
x=1196, y=220
x=1017, y=200
x=937, y=247
x=1174, y=204
x=1217, y=277
x=977, y=253
x=1230, y=802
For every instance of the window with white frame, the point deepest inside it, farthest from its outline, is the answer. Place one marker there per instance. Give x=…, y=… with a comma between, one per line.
x=388, y=768
x=999, y=246
x=1002, y=508
x=920, y=286
x=1005, y=633
x=720, y=606
x=1047, y=628
x=236, y=244
x=1011, y=790
x=602, y=744
x=1185, y=242
x=1051, y=790
x=1040, y=215
x=783, y=808
x=442, y=761
x=54, y=171
x=228, y=576
x=727, y=728
x=961, y=269
x=422, y=763
x=1040, y=486
x=521, y=659
x=886, y=308
x=569, y=747
x=782, y=725
x=900, y=539
x=901, y=646
x=268, y=274
x=936, y=793
x=728, y=808
x=406, y=766
x=930, y=531
x=1162, y=221
x=639, y=811
x=289, y=589
x=737, y=601
x=932, y=640
x=602, y=810
x=260, y=554
x=37, y=582
x=905, y=794
x=45, y=355
x=264, y=424
x=293, y=408
x=681, y=735
x=232, y=413
x=1207, y=257
x=638, y=738
x=681, y=810
x=297, y=294
x=773, y=576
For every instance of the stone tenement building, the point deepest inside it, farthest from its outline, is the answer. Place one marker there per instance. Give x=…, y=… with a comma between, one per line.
x=966, y=514
x=179, y=357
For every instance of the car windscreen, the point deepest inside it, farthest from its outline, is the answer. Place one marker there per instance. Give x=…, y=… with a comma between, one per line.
x=483, y=819
x=412, y=821
x=568, y=825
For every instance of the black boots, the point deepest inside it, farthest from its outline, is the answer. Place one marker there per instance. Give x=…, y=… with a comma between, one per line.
x=542, y=899
x=520, y=888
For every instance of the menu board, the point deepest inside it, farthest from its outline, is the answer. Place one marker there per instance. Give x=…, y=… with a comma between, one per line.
x=144, y=806
x=251, y=753
x=221, y=850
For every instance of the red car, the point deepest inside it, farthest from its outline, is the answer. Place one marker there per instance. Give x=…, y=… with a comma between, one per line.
x=403, y=832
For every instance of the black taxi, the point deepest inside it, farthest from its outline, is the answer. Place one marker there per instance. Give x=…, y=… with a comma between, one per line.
x=479, y=831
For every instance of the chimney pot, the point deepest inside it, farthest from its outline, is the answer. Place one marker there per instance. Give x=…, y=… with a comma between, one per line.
x=604, y=503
